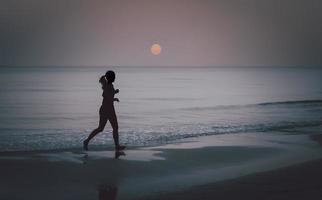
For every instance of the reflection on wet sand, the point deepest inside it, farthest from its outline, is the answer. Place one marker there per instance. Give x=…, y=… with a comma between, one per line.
x=117, y=154
x=106, y=192
x=109, y=192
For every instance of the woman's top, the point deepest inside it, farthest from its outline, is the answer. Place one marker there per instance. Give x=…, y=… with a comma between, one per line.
x=108, y=95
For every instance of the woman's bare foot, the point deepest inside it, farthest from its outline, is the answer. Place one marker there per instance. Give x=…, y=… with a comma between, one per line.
x=118, y=154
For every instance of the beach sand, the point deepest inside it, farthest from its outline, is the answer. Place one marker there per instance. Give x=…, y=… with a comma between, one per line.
x=302, y=181
x=236, y=166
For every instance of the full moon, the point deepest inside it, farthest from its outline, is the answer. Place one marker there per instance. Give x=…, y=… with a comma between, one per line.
x=156, y=49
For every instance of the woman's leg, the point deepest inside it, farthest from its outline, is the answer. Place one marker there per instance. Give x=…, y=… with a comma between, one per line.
x=115, y=126
x=100, y=128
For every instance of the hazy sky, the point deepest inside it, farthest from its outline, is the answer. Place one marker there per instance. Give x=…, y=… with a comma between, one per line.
x=191, y=32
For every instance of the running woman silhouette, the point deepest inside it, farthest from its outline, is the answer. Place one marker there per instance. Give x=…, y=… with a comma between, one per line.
x=107, y=111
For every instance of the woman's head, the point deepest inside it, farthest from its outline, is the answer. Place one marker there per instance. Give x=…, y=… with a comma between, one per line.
x=110, y=76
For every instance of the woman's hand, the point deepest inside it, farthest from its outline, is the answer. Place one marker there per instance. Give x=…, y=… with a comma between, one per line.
x=116, y=99
x=117, y=91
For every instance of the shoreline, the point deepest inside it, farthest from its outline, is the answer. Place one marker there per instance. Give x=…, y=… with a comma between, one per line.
x=158, y=172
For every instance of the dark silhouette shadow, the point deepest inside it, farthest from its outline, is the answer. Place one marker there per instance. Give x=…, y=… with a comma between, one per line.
x=107, y=111
x=117, y=154
x=106, y=192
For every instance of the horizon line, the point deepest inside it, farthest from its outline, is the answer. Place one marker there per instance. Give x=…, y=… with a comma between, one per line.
x=167, y=66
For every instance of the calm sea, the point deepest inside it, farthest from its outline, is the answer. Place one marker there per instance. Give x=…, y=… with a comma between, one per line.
x=56, y=107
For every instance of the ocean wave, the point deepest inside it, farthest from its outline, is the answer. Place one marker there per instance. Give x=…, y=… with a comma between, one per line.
x=33, y=139
x=278, y=126
x=227, y=129
x=315, y=102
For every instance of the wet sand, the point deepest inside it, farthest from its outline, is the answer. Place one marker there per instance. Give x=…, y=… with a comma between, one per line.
x=194, y=169
x=298, y=182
